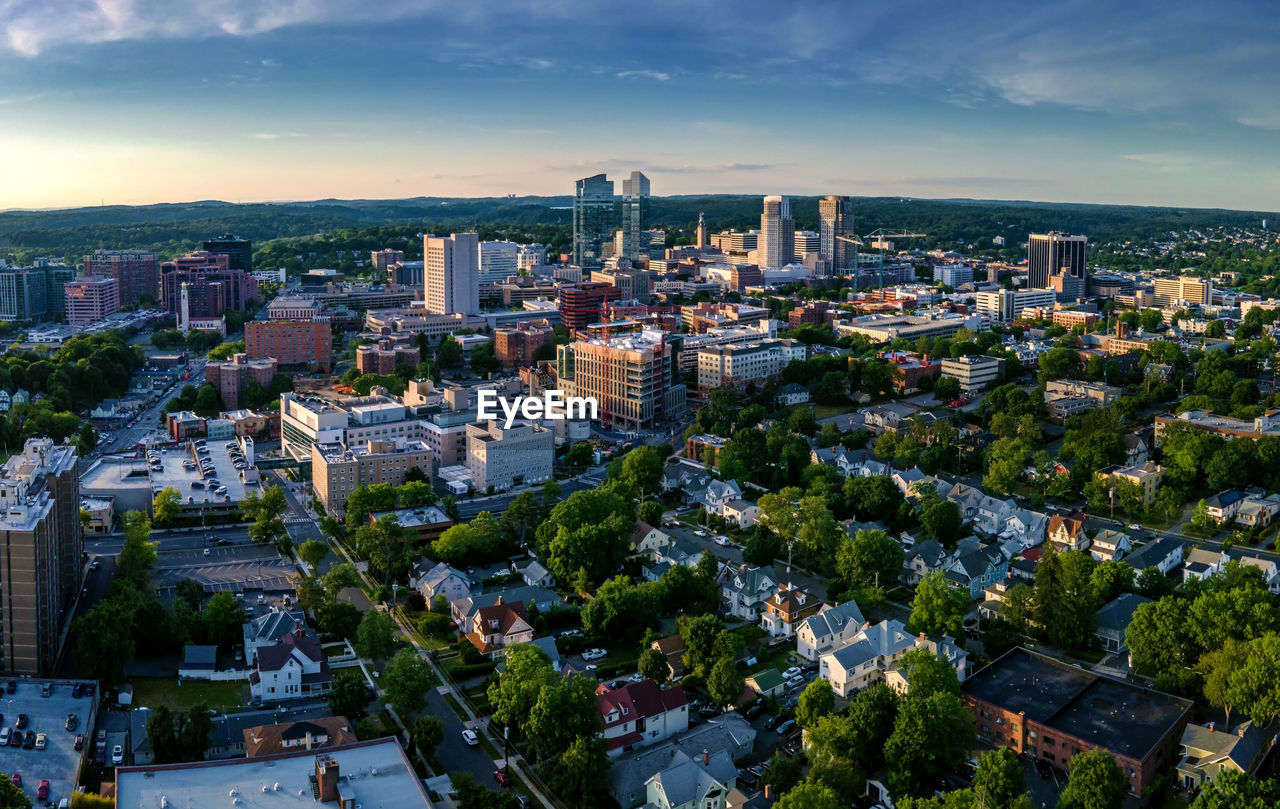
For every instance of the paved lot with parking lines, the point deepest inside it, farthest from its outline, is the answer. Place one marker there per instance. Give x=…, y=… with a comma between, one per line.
x=59, y=762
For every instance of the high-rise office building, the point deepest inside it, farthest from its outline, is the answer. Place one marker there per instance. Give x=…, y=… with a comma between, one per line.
x=1051, y=254
x=594, y=219
x=530, y=256
x=835, y=219
x=40, y=563
x=90, y=298
x=451, y=274
x=498, y=260
x=137, y=274
x=635, y=210
x=807, y=242
x=239, y=252
x=1173, y=291
x=635, y=378
x=777, y=243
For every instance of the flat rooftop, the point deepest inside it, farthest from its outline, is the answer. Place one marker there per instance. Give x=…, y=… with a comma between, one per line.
x=174, y=474
x=1124, y=718
x=375, y=774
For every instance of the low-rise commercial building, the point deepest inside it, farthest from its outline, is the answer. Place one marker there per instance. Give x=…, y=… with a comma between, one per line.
x=974, y=372
x=1067, y=397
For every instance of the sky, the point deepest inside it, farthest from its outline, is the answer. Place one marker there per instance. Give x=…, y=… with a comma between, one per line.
x=140, y=101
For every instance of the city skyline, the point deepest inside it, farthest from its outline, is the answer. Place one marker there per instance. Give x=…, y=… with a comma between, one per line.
x=141, y=102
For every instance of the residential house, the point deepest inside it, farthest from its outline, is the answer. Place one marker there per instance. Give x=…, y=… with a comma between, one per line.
x=673, y=648
x=535, y=575
x=1110, y=545
x=463, y=610
x=439, y=579
x=966, y=498
x=293, y=668
x=692, y=782
x=741, y=513
x=1258, y=511
x=746, y=590
x=1224, y=506
x=1027, y=527
x=640, y=714
x=1202, y=563
x=977, y=570
x=1113, y=620
x=863, y=661
x=1164, y=554
x=944, y=648
x=290, y=737
x=992, y=515
x=1208, y=751
x=829, y=628
x=268, y=629
x=767, y=683
x=907, y=479
x=495, y=627
x=729, y=735
x=792, y=394
x=1268, y=568
x=645, y=539
x=689, y=479
x=1137, y=446
x=1067, y=533
x=925, y=557
x=786, y=608
x=718, y=494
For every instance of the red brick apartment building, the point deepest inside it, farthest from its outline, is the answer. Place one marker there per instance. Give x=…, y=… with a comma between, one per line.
x=1051, y=711
x=289, y=342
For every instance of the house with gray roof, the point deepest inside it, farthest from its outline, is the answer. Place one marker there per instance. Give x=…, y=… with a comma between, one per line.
x=1026, y=526
x=268, y=629
x=746, y=589
x=198, y=662
x=924, y=557
x=718, y=494
x=1113, y=620
x=1164, y=554
x=728, y=734
x=977, y=570
x=535, y=575
x=863, y=660
x=1209, y=750
x=831, y=627
x=463, y=610
x=701, y=781
x=439, y=579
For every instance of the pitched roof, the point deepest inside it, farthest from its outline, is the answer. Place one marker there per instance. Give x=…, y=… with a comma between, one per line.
x=1072, y=524
x=273, y=658
x=633, y=701
x=1242, y=746
x=1118, y=614
x=275, y=624
x=266, y=740
x=765, y=681
x=1153, y=552
x=691, y=780
x=833, y=620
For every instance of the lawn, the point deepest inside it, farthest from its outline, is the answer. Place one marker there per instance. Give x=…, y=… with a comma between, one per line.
x=827, y=411
x=153, y=692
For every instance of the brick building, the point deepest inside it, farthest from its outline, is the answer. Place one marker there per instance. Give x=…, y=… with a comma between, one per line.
x=214, y=285
x=583, y=304
x=289, y=342
x=516, y=345
x=384, y=356
x=231, y=378
x=90, y=299
x=136, y=274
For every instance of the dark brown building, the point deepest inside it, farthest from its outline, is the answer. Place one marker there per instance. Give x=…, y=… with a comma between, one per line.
x=515, y=346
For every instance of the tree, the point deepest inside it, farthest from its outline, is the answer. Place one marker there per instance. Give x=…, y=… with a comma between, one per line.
x=1000, y=781
x=937, y=608
x=1200, y=519
x=79, y=800
x=514, y=692
x=649, y=512
x=1257, y=682
x=652, y=664
x=781, y=773
x=1217, y=667
x=1157, y=638
x=932, y=736
x=104, y=643
x=620, y=609
x=427, y=733
x=405, y=682
x=340, y=577
x=138, y=555
x=313, y=553
x=946, y=389
x=809, y=795
x=449, y=353
x=178, y=736
x=642, y=469
x=869, y=559
x=1236, y=790
x=12, y=796
x=375, y=637
x=224, y=619
x=575, y=776
x=941, y=519
x=340, y=619
x=1095, y=782
x=1110, y=579
x=927, y=673
x=725, y=684
x=816, y=701
x=564, y=711
x=167, y=505
x=208, y=402
x=348, y=695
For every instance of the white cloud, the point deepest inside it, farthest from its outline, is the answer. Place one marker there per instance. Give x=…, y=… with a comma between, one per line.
x=648, y=74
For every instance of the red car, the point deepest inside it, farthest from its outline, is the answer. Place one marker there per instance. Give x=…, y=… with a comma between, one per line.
x=16, y=778
x=502, y=778
x=42, y=791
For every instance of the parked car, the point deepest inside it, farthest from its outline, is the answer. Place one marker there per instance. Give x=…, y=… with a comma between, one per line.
x=117, y=754
x=1043, y=769
x=101, y=738
x=77, y=690
x=46, y=690
x=73, y=721
x=42, y=741
x=502, y=778
x=42, y=791
x=594, y=654
x=786, y=727
x=773, y=722
x=469, y=736
x=746, y=777
x=16, y=739
x=723, y=541
x=100, y=756
x=79, y=742
x=755, y=711
x=21, y=723
x=795, y=682
x=16, y=778
x=4, y=736
x=29, y=740
x=791, y=672
x=94, y=565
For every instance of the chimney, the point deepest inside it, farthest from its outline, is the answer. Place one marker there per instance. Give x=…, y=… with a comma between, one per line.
x=327, y=778
x=706, y=757
x=498, y=603
x=1211, y=724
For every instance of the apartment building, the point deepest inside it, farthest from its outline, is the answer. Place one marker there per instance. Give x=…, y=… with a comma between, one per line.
x=216, y=285
x=1266, y=424
x=584, y=303
x=505, y=457
x=136, y=274
x=1145, y=476
x=702, y=317
x=338, y=469
x=737, y=366
x=635, y=379
x=1183, y=290
x=40, y=566
x=306, y=421
x=90, y=298
x=1004, y=305
x=381, y=260
x=973, y=371
x=385, y=356
x=231, y=378
x=451, y=274
x=515, y=345
x=1067, y=397
x=33, y=293
x=290, y=342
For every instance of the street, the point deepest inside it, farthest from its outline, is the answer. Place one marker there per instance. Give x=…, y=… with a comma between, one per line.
x=147, y=422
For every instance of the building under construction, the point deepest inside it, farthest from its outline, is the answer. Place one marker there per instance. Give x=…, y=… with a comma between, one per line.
x=634, y=377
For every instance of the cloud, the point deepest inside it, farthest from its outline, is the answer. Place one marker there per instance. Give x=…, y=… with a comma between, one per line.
x=648, y=74
x=274, y=135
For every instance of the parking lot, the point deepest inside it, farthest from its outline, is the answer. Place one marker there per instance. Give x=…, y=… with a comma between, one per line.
x=237, y=567
x=59, y=762
x=191, y=485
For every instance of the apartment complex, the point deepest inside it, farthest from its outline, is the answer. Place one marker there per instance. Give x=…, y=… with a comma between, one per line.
x=385, y=356
x=777, y=243
x=1183, y=290
x=1056, y=255
x=515, y=345
x=90, y=298
x=740, y=365
x=635, y=378
x=136, y=274
x=505, y=457
x=701, y=317
x=451, y=274
x=33, y=293
x=1007, y=304
x=973, y=371
x=383, y=259
x=584, y=303
x=231, y=378
x=337, y=469
x=40, y=565
x=289, y=342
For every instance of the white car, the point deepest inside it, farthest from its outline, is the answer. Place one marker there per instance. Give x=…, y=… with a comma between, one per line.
x=470, y=737
x=700, y=533
x=723, y=541
x=1135, y=527
x=117, y=755
x=794, y=671
x=795, y=682
x=594, y=654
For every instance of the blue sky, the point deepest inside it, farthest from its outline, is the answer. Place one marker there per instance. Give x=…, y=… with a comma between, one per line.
x=135, y=101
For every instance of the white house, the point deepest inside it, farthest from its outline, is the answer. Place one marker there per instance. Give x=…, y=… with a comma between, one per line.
x=640, y=713
x=741, y=513
x=924, y=557
x=1027, y=527
x=646, y=540
x=701, y=781
x=535, y=575
x=1202, y=563
x=269, y=629
x=1110, y=545
x=293, y=668
x=1164, y=554
x=1268, y=568
x=864, y=660
x=831, y=627
x=439, y=579
x=746, y=589
x=720, y=493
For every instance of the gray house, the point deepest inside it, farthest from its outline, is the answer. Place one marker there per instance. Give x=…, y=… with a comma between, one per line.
x=1114, y=618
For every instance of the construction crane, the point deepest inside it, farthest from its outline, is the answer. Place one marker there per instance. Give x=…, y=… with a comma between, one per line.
x=878, y=235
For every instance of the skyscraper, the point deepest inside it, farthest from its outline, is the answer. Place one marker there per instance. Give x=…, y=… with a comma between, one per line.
x=498, y=260
x=239, y=251
x=451, y=274
x=777, y=243
x=594, y=219
x=635, y=210
x=1055, y=254
x=835, y=219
